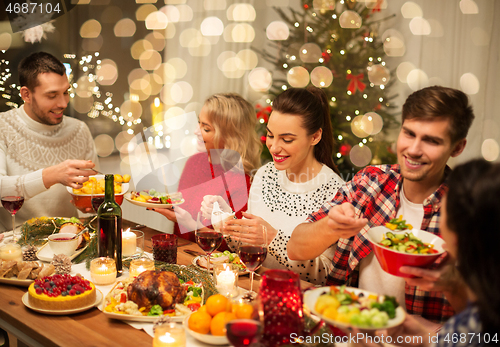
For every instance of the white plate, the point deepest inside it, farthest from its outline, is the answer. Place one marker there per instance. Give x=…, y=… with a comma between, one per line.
x=144, y=319
x=149, y=204
x=206, y=338
x=45, y=253
x=98, y=298
x=16, y=282
x=125, y=187
x=194, y=261
x=311, y=296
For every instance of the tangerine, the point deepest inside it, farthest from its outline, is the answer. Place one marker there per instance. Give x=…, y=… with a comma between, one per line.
x=203, y=309
x=126, y=178
x=218, y=323
x=199, y=322
x=216, y=303
x=244, y=311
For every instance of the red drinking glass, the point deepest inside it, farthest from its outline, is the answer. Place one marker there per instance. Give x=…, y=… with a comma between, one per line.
x=165, y=248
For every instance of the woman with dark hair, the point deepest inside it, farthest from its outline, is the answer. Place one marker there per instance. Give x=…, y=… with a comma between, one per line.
x=300, y=179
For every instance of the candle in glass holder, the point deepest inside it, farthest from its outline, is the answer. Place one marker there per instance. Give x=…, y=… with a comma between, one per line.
x=11, y=251
x=169, y=335
x=226, y=278
x=137, y=266
x=103, y=271
x=129, y=240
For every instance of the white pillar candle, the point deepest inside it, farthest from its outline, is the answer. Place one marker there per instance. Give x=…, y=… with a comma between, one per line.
x=11, y=251
x=128, y=243
x=225, y=281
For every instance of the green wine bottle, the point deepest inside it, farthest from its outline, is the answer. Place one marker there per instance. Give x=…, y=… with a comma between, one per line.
x=109, y=225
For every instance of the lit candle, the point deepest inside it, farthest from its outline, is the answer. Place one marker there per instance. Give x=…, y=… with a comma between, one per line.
x=226, y=279
x=103, y=271
x=128, y=243
x=169, y=335
x=11, y=251
x=137, y=266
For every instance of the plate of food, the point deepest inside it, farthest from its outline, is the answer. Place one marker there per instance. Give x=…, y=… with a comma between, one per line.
x=23, y=273
x=132, y=299
x=61, y=294
x=220, y=258
x=152, y=198
x=347, y=307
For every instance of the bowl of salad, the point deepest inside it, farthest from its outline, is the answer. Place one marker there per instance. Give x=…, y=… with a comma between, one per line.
x=401, y=245
x=346, y=307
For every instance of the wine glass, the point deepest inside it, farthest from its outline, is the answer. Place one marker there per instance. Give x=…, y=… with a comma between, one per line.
x=247, y=330
x=252, y=253
x=208, y=239
x=12, y=201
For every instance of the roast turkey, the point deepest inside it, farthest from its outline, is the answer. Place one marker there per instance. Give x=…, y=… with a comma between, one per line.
x=155, y=287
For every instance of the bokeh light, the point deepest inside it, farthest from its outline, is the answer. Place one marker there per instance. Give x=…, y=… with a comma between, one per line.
x=191, y=37
x=157, y=40
x=469, y=83
x=378, y=74
x=417, y=79
x=241, y=13
x=131, y=109
x=310, y=53
x=490, y=149
x=420, y=26
x=298, y=77
x=90, y=29
x=361, y=126
x=180, y=67
x=212, y=26
x=181, y=92
x=277, y=31
x=143, y=11
x=150, y=60
x=233, y=67
x=104, y=145
x=321, y=77
x=260, y=79
x=85, y=87
x=121, y=141
x=5, y=41
x=249, y=58
x=156, y=21
x=125, y=28
x=360, y=155
x=136, y=74
x=377, y=123
x=82, y=105
x=350, y=20
x=172, y=12
x=166, y=73
x=403, y=70
x=201, y=50
x=139, y=47
x=468, y=7
x=185, y=13
x=411, y=10
x=394, y=44
x=92, y=45
x=242, y=33
x=107, y=73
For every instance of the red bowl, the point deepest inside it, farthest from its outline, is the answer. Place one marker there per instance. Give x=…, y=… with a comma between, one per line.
x=391, y=260
x=83, y=201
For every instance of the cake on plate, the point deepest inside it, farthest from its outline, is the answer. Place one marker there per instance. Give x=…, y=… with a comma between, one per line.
x=61, y=292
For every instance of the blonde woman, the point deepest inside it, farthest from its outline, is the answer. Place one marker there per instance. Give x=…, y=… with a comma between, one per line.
x=229, y=151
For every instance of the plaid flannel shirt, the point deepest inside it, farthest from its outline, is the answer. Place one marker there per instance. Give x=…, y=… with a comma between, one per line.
x=374, y=193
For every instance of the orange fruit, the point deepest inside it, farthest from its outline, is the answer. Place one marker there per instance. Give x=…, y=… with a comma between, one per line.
x=218, y=323
x=243, y=311
x=203, y=309
x=199, y=322
x=126, y=178
x=217, y=303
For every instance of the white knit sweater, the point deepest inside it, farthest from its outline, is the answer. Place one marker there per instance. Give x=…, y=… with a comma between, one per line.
x=27, y=147
x=285, y=204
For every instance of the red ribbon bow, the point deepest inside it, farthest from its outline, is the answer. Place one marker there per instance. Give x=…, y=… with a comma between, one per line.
x=355, y=83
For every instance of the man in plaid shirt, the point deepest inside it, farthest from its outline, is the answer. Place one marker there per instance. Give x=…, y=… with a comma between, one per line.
x=435, y=124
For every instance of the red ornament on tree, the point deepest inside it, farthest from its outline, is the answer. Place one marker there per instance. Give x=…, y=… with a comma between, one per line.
x=344, y=149
x=306, y=6
x=263, y=139
x=326, y=57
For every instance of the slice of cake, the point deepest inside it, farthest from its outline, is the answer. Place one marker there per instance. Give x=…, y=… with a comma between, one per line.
x=61, y=292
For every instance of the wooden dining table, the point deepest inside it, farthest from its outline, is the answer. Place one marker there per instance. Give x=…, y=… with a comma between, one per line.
x=90, y=328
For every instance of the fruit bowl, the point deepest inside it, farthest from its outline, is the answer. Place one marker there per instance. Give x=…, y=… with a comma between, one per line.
x=83, y=201
x=391, y=260
x=205, y=338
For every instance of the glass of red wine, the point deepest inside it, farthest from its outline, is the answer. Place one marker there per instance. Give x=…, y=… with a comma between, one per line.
x=244, y=332
x=12, y=202
x=208, y=239
x=252, y=250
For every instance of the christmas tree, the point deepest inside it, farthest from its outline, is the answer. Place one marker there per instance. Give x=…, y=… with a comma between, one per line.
x=336, y=45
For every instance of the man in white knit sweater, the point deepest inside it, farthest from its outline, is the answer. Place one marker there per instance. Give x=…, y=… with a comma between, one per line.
x=41, y=150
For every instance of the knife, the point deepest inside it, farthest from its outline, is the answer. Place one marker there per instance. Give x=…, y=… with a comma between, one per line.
x=193, y=253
